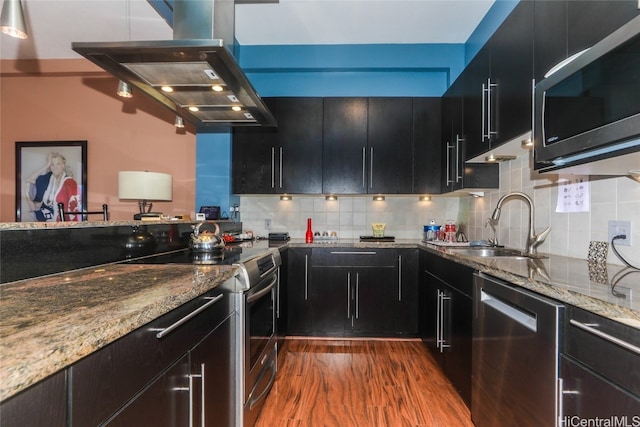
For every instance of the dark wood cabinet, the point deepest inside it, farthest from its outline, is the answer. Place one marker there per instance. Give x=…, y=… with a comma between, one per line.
x=43, y=404
x=286, y=159
x=344, y=147
x=407, y=306
x=253, y=156
x=353, y=292
x=299, y=153
x=427, y=151
x=446, y=318
x=499, y=83
x=298, y=303
x=390, y=145
x=549, y=35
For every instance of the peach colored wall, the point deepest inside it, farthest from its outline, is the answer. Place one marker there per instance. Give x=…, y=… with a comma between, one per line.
x=62, y=100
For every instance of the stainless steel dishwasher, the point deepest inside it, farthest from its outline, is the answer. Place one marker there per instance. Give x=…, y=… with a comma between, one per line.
x=514, y=355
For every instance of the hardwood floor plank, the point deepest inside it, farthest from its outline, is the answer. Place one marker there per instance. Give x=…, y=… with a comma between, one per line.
x=359, y=382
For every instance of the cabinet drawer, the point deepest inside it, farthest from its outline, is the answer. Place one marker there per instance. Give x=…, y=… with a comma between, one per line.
x=105, y=380
x=456, y=275
x=609, y=348
x=353, y=257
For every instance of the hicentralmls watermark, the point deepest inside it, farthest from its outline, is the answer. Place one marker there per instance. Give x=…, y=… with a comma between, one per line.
x=613, y=421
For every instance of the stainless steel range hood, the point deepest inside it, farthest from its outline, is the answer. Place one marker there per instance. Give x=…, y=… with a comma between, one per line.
x=195, y=74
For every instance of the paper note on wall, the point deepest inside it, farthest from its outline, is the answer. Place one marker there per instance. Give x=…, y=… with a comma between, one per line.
x=573, y=193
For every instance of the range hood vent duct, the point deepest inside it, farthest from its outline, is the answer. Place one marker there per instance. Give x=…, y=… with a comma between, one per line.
x=194, y=75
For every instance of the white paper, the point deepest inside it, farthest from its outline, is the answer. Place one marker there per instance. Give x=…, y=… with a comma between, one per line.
x=573, y=193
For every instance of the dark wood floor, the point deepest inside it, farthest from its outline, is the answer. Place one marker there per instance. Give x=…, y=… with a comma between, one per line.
x=363, y=383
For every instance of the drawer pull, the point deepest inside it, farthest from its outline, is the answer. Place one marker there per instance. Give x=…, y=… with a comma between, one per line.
x=606, y=336
x=188, y=317
x=352, y=253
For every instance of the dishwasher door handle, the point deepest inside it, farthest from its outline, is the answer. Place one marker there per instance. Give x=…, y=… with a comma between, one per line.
x=525, y=319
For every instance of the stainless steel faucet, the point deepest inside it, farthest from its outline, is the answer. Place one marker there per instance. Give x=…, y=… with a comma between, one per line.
x=533, y=240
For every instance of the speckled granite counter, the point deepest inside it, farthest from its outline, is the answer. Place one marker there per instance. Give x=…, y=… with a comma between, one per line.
x=608, y=290
x=51, y=322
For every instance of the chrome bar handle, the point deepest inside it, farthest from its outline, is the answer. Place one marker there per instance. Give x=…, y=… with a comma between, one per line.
x=357, y=295
x=484, y=90
x=605, y=336
x=273, y=167
x=371, y=169
x=348, y=295
x=364, y=167
x=353, y=253
x=533, y=109
x=202, y=396
x=191, y=400
x=438, y=309
x=281, y=163
x=189, y=316
x=399, y=277
x=449, y=178
x=459, y=141
x=306, y=277
x=443, y=344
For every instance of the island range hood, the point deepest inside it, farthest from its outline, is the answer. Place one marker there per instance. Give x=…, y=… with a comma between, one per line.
x=195, y=74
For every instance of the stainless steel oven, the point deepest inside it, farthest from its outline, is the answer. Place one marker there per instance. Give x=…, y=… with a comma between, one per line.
x=257, y=350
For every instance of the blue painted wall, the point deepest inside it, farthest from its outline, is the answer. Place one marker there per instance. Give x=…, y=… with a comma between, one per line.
x=338, y=70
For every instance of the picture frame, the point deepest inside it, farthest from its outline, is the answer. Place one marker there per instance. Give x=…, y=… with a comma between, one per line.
x=48, y=173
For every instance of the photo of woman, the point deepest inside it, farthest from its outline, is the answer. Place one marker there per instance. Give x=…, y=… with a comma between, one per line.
x=50, y=178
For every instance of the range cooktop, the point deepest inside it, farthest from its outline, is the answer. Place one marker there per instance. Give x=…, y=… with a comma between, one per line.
x=224, y=256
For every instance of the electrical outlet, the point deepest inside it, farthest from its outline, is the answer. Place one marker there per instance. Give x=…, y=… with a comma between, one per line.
x=616, y=228
x=267, y=224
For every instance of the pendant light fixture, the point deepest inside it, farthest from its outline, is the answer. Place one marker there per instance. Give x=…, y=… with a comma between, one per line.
x=124, y=90
x=179, y=122
x=12, y=19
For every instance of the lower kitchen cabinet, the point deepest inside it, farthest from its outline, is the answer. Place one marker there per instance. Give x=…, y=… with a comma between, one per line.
x=599, y=369
x=446, y=310
x=43, y=404
x=142, y=374
x=352, y=292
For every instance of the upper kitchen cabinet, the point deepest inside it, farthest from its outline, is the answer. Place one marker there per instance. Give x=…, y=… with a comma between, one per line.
x=344, y=146
x=254, y=157
x=563, y=28
x=286, y=159
x=390, y=148
x=426, y=145
x=498, y=84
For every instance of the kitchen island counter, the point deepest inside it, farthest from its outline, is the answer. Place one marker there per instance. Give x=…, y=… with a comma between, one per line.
x=51, y=322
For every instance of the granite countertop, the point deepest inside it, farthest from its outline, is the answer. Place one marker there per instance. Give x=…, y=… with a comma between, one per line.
x=85, y=224
x=49, y=323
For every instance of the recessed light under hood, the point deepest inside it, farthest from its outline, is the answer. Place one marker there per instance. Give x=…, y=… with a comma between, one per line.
x=197, y=78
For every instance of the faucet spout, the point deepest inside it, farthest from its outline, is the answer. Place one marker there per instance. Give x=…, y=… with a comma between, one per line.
x=533, y=240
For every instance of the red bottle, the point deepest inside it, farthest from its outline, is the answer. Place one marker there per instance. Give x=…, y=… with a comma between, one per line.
x=308, y=238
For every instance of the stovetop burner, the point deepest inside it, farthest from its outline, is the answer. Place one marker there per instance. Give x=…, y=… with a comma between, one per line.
x=222, y=256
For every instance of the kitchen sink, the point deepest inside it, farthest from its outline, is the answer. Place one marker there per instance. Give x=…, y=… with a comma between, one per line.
x=488, y=252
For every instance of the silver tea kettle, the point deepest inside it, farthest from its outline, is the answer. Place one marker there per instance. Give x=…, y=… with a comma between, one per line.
x=206, y=237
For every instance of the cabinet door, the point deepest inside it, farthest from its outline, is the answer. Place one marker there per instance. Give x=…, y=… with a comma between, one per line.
x=458, y=338
x=255, y=155
x=512, y=73
x=476, y=77
x=589, y=21
x=212, y=368
x=298, y=301
x=373, y=296
x=427, y=145
x=390, y=148
x=330, y=298
x=406, y=310
x=299, y=154
x=344, y=146
x=430, y=315
x=549, y=35
x=43, y=404
x=164, y=403
x=453, y=143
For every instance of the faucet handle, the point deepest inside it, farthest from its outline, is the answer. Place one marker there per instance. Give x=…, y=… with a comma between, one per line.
x=540, y=237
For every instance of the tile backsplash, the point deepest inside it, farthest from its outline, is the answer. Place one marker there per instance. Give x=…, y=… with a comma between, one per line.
x=612, y=198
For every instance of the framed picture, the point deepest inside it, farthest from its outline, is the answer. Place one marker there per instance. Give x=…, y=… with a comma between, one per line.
x=48, y=173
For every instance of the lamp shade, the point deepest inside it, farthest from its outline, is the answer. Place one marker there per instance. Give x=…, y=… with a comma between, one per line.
x=143, y=185
x=12, y=19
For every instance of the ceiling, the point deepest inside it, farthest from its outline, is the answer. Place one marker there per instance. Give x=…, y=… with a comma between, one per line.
x=54, y=24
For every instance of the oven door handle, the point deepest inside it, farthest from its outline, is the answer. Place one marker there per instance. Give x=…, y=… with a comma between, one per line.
x=251, y=298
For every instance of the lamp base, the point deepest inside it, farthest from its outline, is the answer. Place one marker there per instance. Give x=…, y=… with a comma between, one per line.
x=139, y=216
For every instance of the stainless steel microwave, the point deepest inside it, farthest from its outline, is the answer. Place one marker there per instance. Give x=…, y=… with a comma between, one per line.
x=587, y=109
